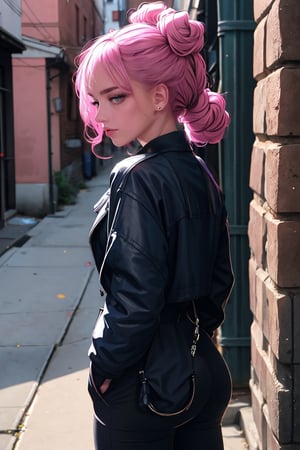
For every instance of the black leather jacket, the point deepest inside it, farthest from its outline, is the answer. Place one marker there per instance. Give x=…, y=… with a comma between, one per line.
x=163, y=243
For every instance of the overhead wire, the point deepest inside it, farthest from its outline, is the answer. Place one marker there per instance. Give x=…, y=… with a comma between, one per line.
x=13, y=7
x=38, y=25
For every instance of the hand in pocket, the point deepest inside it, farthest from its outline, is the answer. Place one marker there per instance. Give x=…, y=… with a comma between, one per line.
x=105, y=385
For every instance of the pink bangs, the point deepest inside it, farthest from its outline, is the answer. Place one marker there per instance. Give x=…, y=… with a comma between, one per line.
x=103, y=51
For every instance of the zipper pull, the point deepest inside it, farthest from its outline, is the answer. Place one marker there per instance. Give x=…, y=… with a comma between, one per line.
x=195, y=339
x=144, y=394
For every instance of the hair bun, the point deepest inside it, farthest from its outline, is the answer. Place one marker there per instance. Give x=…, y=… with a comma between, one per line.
x=146, y=13
x=207, y=121
x=184, y=36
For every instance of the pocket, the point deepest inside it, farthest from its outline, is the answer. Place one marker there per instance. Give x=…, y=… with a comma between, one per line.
x=93, y=388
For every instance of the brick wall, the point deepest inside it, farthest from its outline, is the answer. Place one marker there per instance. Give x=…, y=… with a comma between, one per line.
x=274, y=226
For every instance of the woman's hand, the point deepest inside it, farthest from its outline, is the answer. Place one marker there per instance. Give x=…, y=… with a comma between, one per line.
x=105, y=385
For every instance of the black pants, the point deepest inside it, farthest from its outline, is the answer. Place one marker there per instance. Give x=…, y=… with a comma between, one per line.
x=120, y=423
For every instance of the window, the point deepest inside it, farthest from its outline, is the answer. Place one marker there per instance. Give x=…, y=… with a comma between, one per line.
x=84, y=29
x=77, y=25
x=115, y=16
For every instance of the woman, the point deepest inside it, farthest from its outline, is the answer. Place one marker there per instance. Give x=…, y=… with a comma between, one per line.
x=160, y=240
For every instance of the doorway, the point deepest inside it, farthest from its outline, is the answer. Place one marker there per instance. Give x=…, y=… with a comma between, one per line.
x=7, y=167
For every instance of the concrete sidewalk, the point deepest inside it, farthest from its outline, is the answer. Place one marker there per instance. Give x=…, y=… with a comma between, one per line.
x=48, y=305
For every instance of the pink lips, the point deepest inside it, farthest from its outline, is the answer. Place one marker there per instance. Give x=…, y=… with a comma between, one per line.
x=109, y=133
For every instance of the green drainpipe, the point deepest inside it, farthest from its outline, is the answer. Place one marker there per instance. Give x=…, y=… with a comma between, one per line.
x=235, y=32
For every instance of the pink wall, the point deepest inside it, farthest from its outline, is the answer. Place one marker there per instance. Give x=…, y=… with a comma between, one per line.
x=30, y=115
x=40, y=20
x=54, y=22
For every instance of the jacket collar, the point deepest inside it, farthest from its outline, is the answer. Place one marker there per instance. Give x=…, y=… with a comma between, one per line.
x=170, y=142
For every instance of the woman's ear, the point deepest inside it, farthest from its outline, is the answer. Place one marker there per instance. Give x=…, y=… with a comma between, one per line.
x=160, y=96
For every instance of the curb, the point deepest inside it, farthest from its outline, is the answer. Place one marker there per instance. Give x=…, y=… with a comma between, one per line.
x=232, y=414
x=249, y=428
x=239, y=414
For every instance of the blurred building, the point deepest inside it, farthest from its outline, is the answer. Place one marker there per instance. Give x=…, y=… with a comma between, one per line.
x=10, y=42
x=48, y=132
x=47, y=127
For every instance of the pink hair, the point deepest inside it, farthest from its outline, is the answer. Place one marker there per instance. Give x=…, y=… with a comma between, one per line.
x=160, y=45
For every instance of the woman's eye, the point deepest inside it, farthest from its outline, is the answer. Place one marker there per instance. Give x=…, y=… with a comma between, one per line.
x=117, y=98
x=95, y=103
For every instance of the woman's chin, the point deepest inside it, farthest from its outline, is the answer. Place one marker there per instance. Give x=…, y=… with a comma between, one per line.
x=118, y=142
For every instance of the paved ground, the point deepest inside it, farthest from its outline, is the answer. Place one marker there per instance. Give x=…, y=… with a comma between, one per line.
x=48, y=304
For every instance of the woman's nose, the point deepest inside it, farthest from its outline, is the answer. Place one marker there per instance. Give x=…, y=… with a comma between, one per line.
x=102, y=113
x=99, y=115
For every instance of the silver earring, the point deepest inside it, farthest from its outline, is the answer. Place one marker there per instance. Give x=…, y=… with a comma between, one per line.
x=158, y=108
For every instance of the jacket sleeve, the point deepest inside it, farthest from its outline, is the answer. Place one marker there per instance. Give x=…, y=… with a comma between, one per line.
x=213, y=310
x=134, y=278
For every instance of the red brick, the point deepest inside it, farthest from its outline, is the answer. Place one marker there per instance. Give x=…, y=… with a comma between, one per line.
x=297, y=403
x=257, y=232
x=273, y=444
x=258, y=297
x=257, y=168
x=261, y=411
x=257, y=361
x=259, y=50
x=252, y=290
x=272, y=311
x=260, y=8
x=258, y=386
x=279, y=317
x=262, y=300
x=282, y=178
x=282, y=108
x=275, y=385
x=259, y=107
x=283, y=250
x=257, y=411
x=283, y=33
x=296, y=339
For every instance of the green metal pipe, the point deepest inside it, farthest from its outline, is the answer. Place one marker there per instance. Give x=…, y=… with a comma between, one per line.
x=235, y=32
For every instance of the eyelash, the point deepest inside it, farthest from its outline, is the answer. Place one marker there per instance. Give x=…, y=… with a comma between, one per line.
x=116, y=99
